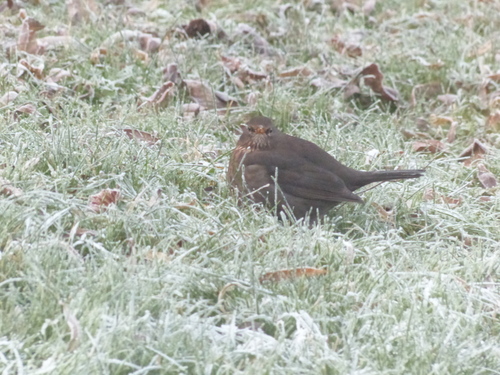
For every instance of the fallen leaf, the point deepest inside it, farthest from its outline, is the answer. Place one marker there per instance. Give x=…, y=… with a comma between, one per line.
x=485, y=177
x=259, y=44
x=429, y=145
x=452, y=133
x=448, y=99
x=104, y=198
x=385, y=213
x=495, y=77
x=440, y=120
x=171, y=73
x=481, y=50
x=141, y=136
x=34, y=67
x=373, y=78
x=292, y=274
x=160, y=97
x=95, y=56
x=26, y=40
x=302, y=71
x=27, y=108
x=197, y=28
x=9, y=190
x=81, y=10
x=329, y=84
x=208, y=98
x=8, y=97
x=493, y=122
x=425, y=91
x=475, y=151
x=430, y=195
x=369, y=6
x=159, y=256
x=57, y=74
x=144, y=41
x=345, y=48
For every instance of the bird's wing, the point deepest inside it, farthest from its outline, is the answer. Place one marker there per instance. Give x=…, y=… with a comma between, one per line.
x=296, y=176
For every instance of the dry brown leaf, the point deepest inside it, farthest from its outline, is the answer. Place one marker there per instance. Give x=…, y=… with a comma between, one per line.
x=493, y=122
x=160, y=97
x=373, y=78
x=429, y=145
x=54, y=41
x=329, y=84
x=81, y=10
x=141, y=136
x=197, y=28
x=385, y=213
x=158, y=256
x=292, y=274
x=430, y=195
x=27, y=108
x=344, y=48
x=26, y=40
x=9, y=190
x=369, y=6
x=8, y=97
x=481, y=50
x=104, y=198
x=440, y=120
x=35, y=67
x=495, y=77
x=475, y=151
x=302, y=71
x=208, y=98
x=452, y=133
x=447, y=99
x=259, y=44
x=171, y=73
x=95, y=56
x=425, y=91
x=57, y=74
x=485, y=177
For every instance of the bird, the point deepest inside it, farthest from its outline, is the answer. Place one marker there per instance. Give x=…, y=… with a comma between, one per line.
x=294, y=176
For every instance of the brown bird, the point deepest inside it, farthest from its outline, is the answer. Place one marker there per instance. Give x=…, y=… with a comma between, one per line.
x=294, y=176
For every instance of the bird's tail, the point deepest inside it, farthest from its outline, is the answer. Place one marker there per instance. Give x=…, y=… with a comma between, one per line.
x=365, y=178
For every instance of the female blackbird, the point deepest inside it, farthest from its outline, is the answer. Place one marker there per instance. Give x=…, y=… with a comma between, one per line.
x=295, y=176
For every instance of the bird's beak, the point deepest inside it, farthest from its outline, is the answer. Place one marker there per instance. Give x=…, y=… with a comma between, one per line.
x=260, y=130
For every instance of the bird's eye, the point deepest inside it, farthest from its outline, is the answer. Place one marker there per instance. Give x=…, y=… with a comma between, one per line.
x=251, y=130
x=269, y=131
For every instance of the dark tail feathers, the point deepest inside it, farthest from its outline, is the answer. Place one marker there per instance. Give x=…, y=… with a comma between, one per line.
x=365, y=178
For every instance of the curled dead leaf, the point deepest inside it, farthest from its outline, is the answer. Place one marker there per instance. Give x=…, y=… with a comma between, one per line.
x=345, y=48
x=485, y=177
x=26, y=40
x=440, y=120
x=104, y=198
x=290, y=274
x=149, y=138
x=207, y=98
x=8, y=97
x=6, y=188
x=34, y=67
x=429, y=145
x=259, y=44
x=425, y=91
x=81, y=10
x=373, y=77
x=171, y=73
x=57, y=74
x=160, y=97
x=27, y=108
x=475, y=151
x=385, y=213
x=431, y=195
x=302, y=71
x=493, y=122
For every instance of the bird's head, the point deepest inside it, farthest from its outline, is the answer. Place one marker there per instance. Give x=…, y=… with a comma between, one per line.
x=259, y=133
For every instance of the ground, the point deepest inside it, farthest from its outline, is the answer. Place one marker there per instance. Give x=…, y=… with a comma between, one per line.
x=123, y=250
